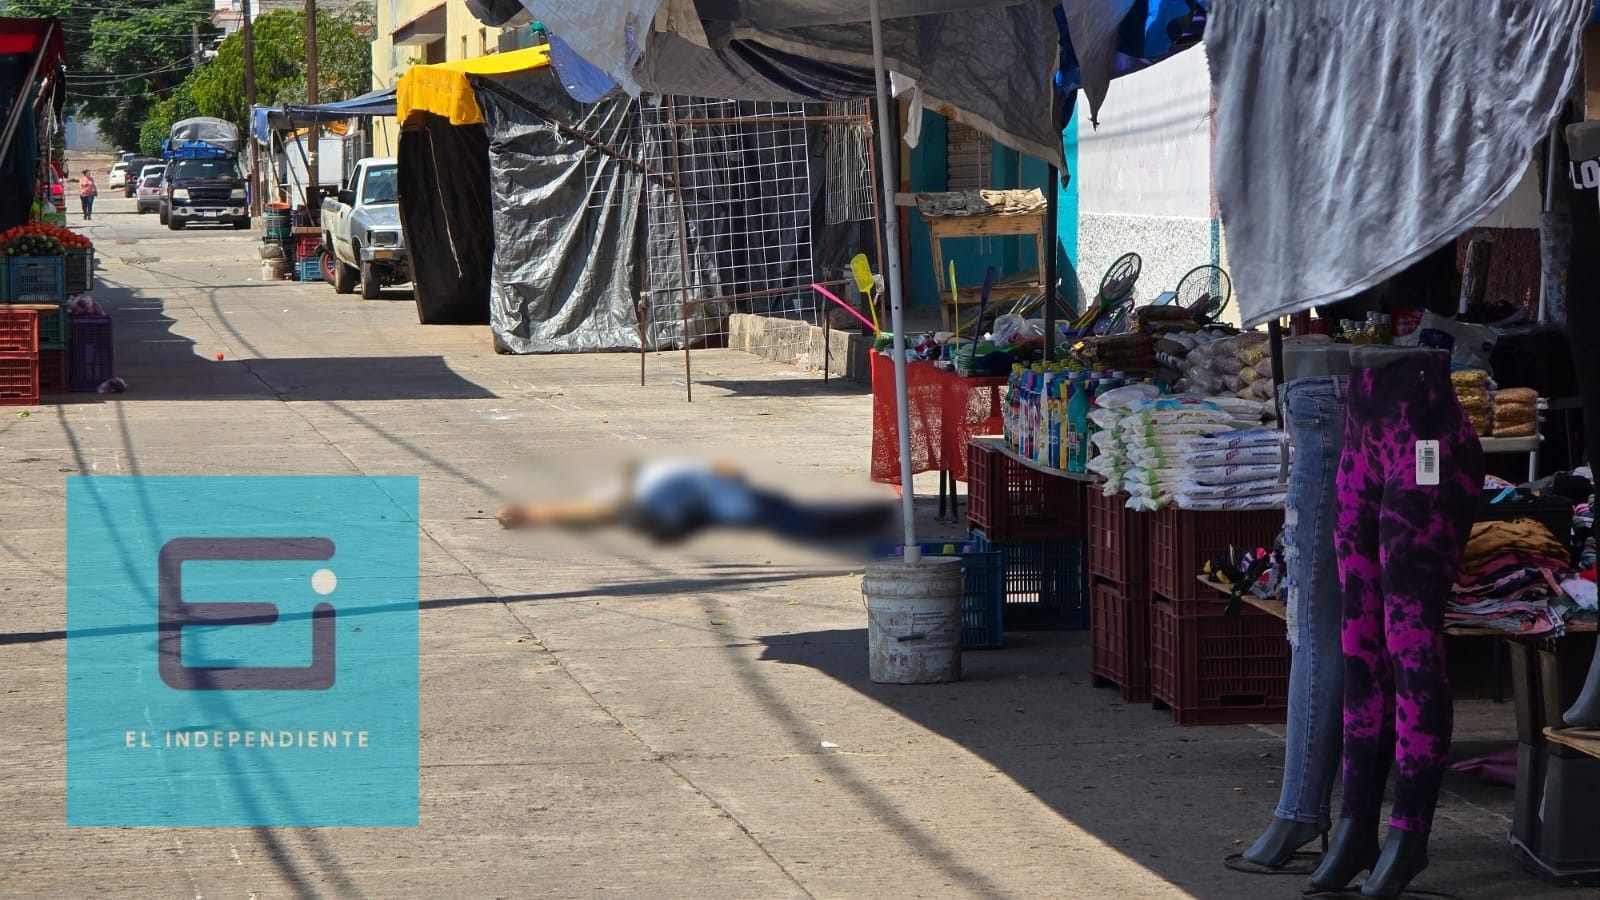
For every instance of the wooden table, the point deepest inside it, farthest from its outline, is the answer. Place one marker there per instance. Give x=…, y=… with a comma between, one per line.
x=941, y=228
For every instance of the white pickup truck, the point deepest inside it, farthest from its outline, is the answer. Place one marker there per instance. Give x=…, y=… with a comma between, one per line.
x=361, y=231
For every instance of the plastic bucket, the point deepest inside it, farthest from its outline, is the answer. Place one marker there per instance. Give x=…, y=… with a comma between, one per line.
x=914, y=620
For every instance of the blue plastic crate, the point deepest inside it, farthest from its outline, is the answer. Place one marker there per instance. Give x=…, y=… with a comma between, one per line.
x=983, y=574
x=309, y=268
x=37, y=279
x=1046, y=583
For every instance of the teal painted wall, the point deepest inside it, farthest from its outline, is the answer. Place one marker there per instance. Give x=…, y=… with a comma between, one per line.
x=973, y=255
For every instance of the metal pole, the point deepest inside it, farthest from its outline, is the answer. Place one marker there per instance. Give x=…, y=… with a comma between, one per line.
x=1047, y=266
x=313, y=177
x=685, y=304
x=256, y=184
x=1548, y=207
x=891, y=276
x=21, y=102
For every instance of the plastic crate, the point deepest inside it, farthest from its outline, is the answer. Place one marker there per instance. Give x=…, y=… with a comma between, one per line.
x=1120, y=640
x=37, y=279
x=983, y=574
x=307, y=245
x=308, y=268
x=53, y=371
x=90, y=348
x=1214, y=669
x=1012, y=502
x=1182, y=541
x=53, y=328
x=19, y=331
x=981, y=467
x=1046, y=582
x=1119, y=541
x=19, y=380
x=79, y=270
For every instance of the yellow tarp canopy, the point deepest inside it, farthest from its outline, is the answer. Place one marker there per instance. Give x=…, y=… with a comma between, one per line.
x=443, y=89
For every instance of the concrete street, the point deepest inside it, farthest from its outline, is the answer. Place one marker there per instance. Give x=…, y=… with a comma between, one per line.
x=598, y=717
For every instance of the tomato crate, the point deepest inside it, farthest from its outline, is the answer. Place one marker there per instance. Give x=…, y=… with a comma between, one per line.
x=1182, y=541
x=1011, y=501
x=1120, y=640
x=19, y=330
x=19, y=379
x=983, y=591
x=1119, y=541
x=1046, y=583
x=52, y=371
x=89, y=343
x=36, y=279
x=1210, y=668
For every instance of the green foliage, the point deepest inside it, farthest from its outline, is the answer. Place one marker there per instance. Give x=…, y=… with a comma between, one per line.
x=123, y=57
x=344, y=53
x=157, y=125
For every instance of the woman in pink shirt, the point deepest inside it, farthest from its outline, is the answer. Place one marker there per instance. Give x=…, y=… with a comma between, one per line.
x=87, y=191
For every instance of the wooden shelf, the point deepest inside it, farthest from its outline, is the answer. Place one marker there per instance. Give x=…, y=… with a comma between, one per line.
x=1584, y=740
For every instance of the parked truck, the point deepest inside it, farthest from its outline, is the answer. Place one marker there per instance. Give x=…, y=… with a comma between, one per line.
x=361, y=235
x=202, y=182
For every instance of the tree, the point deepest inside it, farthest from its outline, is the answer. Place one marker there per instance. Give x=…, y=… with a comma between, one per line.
x=344, y=63
x=124, y=57
x=157, y=125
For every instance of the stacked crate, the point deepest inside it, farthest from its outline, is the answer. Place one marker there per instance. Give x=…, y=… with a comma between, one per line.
x=19, y=356
x=1119, y=574
x=1207, y=666
x=1036, y=521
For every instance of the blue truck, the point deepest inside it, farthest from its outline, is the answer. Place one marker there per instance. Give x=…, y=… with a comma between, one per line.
x=202, y=181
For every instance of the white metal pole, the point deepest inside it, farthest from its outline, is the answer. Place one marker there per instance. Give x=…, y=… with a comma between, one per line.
x=888, y=144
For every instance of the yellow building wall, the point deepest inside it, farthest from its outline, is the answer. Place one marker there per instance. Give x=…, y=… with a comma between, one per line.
x=465, y=38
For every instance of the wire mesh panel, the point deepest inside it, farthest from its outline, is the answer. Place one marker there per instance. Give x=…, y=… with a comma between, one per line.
x=738, y=225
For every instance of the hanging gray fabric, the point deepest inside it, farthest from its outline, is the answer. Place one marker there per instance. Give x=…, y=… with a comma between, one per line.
x=1354, y=137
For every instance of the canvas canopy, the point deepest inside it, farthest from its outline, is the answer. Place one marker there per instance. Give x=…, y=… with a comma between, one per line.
x=445, y=89
x=993, y=64
x=1355, y=137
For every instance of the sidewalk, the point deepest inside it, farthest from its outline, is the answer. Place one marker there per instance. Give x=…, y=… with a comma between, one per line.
x=598, y=717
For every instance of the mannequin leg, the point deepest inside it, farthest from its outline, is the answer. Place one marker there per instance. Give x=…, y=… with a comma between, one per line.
x=1315, y=417
x=1583, y=334
x=1368, y=678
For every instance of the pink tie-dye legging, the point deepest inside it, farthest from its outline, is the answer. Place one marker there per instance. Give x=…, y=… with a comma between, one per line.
x=1399, y=546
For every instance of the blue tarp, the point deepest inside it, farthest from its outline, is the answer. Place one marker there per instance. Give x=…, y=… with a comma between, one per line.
x=265, y=120
x=1150, y=31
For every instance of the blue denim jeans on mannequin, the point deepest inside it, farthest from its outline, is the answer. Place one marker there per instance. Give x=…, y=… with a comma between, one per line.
x=1314, y=408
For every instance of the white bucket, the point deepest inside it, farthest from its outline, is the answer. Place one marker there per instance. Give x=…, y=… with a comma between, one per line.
x=914, y=620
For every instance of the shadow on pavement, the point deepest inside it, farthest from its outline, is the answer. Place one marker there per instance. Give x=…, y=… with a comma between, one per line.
x=1175, y=800
x=799, y=386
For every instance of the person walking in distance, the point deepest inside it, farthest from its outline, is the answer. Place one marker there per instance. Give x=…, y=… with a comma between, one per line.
x=87, y=191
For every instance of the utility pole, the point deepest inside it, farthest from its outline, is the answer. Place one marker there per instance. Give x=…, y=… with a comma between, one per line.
x=250, y=106
x=314, y=177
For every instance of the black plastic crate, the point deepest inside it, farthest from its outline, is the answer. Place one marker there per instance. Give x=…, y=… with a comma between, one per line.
x=1046, y=582
x=982, y=573
x=90, y=346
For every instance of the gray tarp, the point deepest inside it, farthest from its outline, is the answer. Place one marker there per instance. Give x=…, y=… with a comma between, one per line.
x=991, y=62
x=566, y=217
x=1354, y=137
x=218, y=132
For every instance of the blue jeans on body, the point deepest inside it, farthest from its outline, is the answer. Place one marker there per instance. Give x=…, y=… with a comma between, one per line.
x=1314, y=408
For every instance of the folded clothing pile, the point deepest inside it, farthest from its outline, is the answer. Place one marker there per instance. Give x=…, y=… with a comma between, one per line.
x=1234, y=470
x=1516, y=412
x=1472, y=389
x=1510, y=579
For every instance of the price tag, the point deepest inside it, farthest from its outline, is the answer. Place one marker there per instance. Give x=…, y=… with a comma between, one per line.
x=1427, y=463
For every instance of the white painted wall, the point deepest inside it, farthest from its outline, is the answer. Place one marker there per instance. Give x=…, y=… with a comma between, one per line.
x=1151, y=155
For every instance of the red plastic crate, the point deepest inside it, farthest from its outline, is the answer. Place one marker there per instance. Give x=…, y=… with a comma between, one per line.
x=1119, y=541
x=52, y=371
x=1213, y=669
x=1012, y=502
x=19, y=380
x=1120, y=640
x=19, y=330
x=1182, y=541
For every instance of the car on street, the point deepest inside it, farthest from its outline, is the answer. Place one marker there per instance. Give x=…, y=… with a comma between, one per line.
x=361, y=235
x=119, y=175
x=150, y=194
x=136, y=169
x=203, y=190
